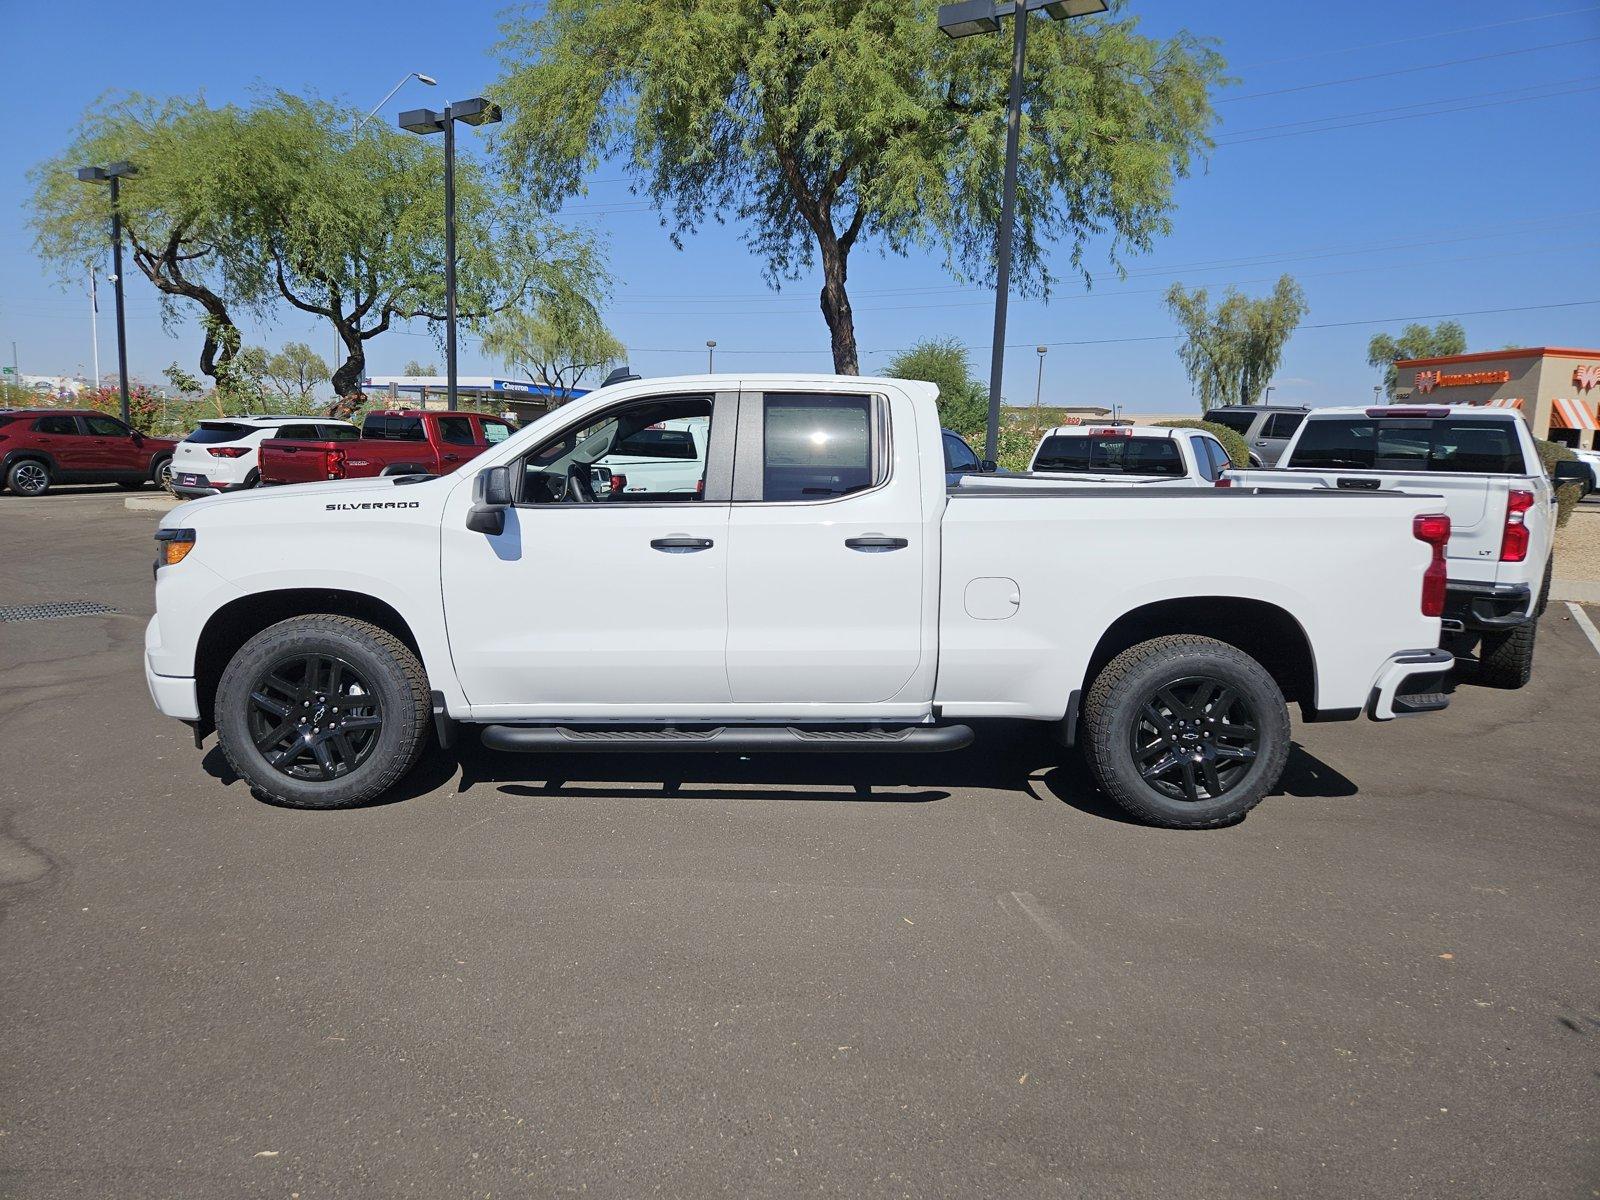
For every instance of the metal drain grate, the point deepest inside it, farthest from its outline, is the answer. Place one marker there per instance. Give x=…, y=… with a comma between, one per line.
x=54, y=612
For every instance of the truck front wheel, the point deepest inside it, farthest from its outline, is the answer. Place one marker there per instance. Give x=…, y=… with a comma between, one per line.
x=1185, y=732
x=323, y=711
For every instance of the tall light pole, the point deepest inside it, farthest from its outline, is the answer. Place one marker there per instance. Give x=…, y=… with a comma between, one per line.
x=1267, y=399
x=711, y=357
x=114, y=172
x=965, y=19
x=1038, y=387
x=476, y=111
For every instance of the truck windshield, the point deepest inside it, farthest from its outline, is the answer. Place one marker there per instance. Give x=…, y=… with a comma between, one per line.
x=1462, y=446
x=1110, y=455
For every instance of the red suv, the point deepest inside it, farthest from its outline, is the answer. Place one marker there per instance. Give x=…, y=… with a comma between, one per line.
x=42, y=446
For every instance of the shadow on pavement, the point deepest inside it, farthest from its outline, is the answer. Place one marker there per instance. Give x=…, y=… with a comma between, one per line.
x=1010, y=757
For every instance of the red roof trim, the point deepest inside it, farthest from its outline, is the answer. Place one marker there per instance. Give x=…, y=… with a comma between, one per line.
x=1491, y=355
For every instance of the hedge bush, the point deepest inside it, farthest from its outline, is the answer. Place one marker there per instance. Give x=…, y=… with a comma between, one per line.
x=1567, y=497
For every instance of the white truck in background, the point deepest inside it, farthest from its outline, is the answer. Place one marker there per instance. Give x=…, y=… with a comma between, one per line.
x=819, y=589
x=1483, y=466
x=1128, y=455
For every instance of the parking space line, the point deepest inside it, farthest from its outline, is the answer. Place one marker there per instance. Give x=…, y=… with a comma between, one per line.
x=1582, y=618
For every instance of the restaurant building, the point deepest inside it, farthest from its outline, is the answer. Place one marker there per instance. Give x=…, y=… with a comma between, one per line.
x=1555, y=389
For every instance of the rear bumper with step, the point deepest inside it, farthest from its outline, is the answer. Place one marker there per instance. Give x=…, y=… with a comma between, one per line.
x=1411, y=682
x=726, y=739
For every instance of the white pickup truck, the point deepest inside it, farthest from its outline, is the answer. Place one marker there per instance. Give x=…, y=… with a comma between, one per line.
x=1131, y=455
x=820, y=590
x=1481, y=464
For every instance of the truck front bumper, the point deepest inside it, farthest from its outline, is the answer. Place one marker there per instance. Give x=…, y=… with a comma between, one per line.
x=174, y=695
x=1411, y=682
x=1485, y=606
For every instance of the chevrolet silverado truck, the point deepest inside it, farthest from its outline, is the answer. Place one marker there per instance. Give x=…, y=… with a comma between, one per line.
x=395, y=442
x=1482, y=466
x=820, y=589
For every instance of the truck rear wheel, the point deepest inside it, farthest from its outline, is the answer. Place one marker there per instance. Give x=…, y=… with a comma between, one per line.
x=1505, y=657
x=1185, y=732
x=323, y=711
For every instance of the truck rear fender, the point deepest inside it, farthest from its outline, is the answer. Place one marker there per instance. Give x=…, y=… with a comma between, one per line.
x=1266, y=632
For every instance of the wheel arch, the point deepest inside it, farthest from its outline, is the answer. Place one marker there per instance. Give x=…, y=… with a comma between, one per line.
x=25, y=454
x=239, y=620
x=1268, y=633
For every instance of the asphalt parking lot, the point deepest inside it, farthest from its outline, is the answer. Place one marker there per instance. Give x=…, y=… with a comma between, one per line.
x=946, y=976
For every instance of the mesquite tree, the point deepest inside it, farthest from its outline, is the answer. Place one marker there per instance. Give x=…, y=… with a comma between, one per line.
x=1230, y=352
x=824, y=124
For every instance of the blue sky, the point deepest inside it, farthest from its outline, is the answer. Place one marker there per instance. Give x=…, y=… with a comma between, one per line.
x=1401, y=160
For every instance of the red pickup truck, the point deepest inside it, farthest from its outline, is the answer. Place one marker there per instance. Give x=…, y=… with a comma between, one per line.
x=410, y=441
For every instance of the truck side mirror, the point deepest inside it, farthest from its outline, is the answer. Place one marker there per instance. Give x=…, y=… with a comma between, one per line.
x=491, y=496
x=1573, y=471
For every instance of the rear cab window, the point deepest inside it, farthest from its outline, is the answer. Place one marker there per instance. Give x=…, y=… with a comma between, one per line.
x=1458, y=445
x=383, y=427
x=1109, y=454
x=456, y=431
x=216, y=433
x=818, y=447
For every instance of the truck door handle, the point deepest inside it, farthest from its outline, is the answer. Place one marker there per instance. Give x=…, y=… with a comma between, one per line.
x=1370, y=485
x=452, y=458
x=681, y=545
x=876, y=544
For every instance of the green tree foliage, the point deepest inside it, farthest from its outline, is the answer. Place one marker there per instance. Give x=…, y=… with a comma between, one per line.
x=287, y=377
x=1238, y=449
x=963, y=400
x=413, y=367
x=819, y=124
x=177, y=227
x=558, y=343
x=1231, y=352
x=1415, y=341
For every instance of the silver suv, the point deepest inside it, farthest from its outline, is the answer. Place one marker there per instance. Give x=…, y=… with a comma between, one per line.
x=1266, y=428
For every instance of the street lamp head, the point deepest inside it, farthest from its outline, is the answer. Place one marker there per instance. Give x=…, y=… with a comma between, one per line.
x=476, y=111
x=1043, y=350
x=427, y=79
x=1065, y=10
x=711, y=345
x=119, y=169
x=421, y=120
x=92, y=174
x=968, y=17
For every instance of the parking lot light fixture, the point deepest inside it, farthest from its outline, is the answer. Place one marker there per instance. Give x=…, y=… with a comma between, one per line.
x=966, y=19
x=711, y=357
x=409, y=76
x=113, y=173
x=424, y=121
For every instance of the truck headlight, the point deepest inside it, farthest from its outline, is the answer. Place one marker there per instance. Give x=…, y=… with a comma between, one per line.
x=173, y=546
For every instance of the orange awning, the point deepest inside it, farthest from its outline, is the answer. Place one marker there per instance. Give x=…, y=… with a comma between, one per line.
x=1571, y=414
x=1507, y=402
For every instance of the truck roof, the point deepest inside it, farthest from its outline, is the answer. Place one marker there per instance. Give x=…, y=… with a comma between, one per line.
x=1155, y=431
x=1416, y=410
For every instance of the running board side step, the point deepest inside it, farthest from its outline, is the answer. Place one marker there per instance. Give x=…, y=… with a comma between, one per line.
x=726, y=739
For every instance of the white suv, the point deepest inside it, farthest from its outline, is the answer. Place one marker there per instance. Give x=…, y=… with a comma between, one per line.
x=224, y=455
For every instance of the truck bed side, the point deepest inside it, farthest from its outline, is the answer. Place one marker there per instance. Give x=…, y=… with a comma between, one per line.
x=1033, y=579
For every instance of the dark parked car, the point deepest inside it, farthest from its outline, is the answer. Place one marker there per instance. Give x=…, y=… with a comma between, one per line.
x=961, y=459
x=44, y=446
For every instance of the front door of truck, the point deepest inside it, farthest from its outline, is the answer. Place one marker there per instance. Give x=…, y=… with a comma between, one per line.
x=597, y=599
x=826, y=553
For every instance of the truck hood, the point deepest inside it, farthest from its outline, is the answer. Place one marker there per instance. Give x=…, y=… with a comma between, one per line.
x=352, y=491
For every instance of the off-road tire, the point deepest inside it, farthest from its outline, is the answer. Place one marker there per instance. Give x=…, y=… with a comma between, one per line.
x=396, y=678
x=1544, y=586
x=1505, y=656
x=1120, y=692
x=23, y=476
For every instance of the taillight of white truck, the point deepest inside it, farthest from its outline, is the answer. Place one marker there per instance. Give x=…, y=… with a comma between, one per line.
x=1514, y=541
x=1433, y=528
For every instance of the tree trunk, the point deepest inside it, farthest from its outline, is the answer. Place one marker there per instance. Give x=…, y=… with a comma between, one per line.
x=348, y=377
x=836, y=308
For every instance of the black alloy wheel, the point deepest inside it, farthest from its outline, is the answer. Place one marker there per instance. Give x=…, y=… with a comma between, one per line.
x=314, y=717
x=1195, y=739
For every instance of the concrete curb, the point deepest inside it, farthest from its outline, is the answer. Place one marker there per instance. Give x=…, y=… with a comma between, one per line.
x=1584, y=591
x=162, y=503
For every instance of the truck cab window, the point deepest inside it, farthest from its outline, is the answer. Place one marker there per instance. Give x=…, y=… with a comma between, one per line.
x=457, y=431
x=816, y=447
x=650, y=452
